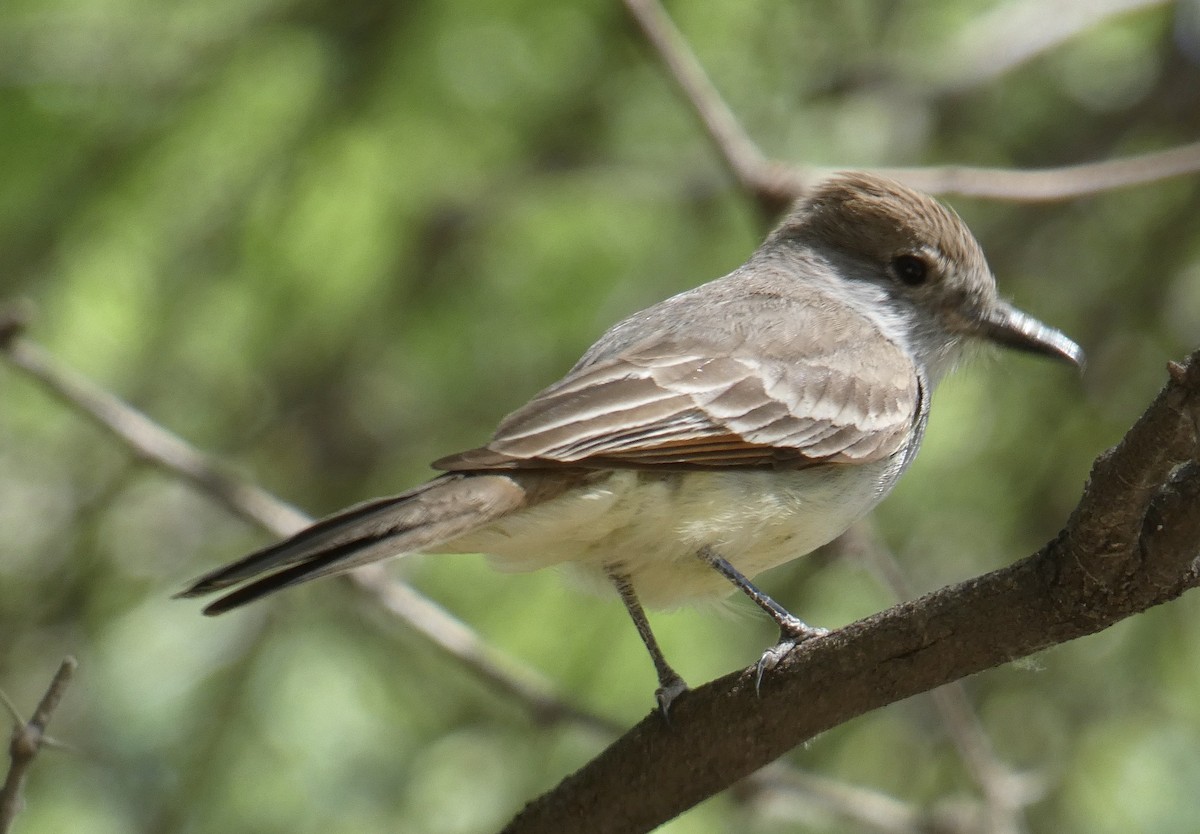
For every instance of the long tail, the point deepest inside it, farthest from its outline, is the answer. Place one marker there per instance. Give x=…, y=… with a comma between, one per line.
x=435, y=512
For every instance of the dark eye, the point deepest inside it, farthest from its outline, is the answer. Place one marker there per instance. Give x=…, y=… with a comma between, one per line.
x=910, y=269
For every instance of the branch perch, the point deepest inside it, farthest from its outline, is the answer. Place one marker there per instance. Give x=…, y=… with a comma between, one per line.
x=1132, y=543
x=27, y=741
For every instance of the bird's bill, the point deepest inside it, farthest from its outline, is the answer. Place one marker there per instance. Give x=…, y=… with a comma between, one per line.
x=1008, y=326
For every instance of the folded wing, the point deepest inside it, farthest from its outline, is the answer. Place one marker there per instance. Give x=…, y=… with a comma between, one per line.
x=659, y=406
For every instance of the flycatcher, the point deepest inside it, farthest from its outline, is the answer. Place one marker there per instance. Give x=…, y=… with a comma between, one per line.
x=724, y=431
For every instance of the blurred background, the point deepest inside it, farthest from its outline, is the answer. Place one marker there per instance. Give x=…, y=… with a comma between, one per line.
x=330, y=242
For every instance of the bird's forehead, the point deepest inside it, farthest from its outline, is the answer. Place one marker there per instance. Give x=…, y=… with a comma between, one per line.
x=877, y=216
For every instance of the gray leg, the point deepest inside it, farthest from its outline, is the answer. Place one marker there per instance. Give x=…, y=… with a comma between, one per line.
x=792, y=630
x=670, y=685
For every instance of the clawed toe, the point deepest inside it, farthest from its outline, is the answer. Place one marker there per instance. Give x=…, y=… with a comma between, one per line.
x=792, y=633
x=792, y=630
x=770, y=659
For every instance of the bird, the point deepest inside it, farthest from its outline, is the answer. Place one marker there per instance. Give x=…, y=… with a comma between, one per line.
x=721, y=432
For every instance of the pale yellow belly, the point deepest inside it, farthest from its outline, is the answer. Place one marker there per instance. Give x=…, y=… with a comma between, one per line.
x=651, y=526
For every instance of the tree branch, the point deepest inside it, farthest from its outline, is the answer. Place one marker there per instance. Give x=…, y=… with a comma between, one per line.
x=1049, y=184
x=27, y=740
x=1132, y=543
x=773, y=184
x=1006, y=793
x=1013, y=33
x=159, y=447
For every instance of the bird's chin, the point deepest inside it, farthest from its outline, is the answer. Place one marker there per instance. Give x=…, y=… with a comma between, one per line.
x=939, y=351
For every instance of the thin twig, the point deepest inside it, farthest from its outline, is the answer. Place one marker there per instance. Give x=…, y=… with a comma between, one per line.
x=739, y=152
x=27, y=739
x=1049, y=184
x=155, y=445
x=867, y=808
x=1005, y=793
x=1013, y=33
x=773, y=184
x=500, y=671
x=145, y=438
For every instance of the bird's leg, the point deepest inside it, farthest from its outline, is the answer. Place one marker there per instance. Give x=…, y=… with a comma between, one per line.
x=792, y=630
x=670, y=685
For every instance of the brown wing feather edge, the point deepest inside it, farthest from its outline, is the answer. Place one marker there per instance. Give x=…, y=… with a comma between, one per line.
x=719, y=416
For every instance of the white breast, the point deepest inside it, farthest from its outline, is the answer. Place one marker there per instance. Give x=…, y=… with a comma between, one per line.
x=651, y=526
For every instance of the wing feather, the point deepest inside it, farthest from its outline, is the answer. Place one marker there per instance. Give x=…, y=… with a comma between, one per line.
x=702, y=412
x=777, y=383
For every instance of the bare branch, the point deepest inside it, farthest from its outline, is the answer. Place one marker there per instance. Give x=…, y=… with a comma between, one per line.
x=866, y=808
x=1130, y=544
x=1010, y=34
x=774, y=184
x=1048, y=184
x=27, y=739
x=786, y=791
x=159, y=447
x=145, y=438
x=503, y=673
x=741, y=155
x=1006, y=793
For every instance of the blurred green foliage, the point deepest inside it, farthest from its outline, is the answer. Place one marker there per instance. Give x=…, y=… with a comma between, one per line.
x=332, y=242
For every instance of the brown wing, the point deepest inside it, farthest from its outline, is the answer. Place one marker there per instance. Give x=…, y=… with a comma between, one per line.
x=657, y=406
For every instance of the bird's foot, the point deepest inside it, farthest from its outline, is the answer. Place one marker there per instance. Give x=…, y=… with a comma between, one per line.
x=667, y=692
x=792, y=632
